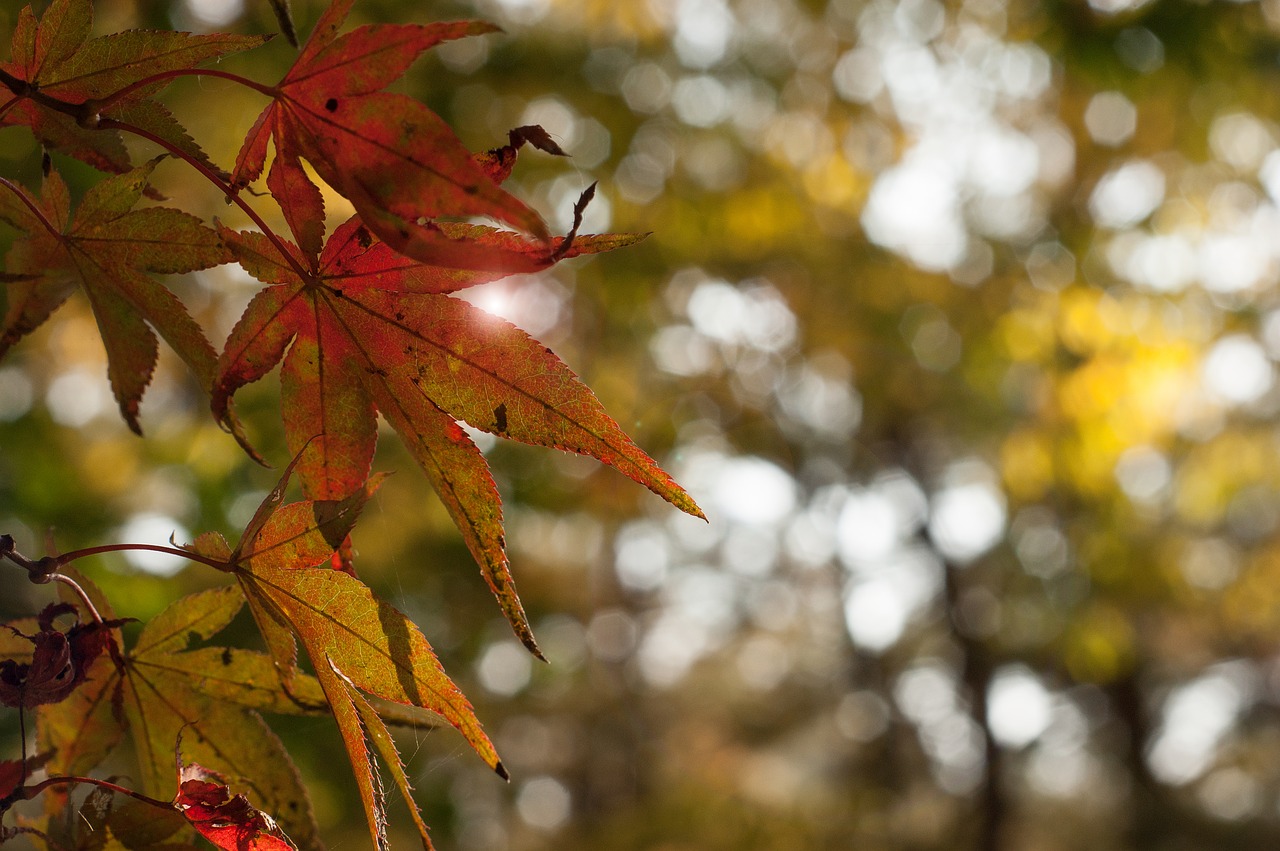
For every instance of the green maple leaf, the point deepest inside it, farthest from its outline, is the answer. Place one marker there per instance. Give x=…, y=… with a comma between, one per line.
x=54, y=57
x=159, y=692
x=106, y=248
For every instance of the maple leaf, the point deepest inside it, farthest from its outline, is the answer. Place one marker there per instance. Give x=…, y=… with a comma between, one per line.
x=230, y=823
x=394, y=159
x=358, y=645
x=361, y=726
x=107, y=248
x=372, y=330
x=212, y=695
x=56, y=76
x=158, y=690
x=137, y=824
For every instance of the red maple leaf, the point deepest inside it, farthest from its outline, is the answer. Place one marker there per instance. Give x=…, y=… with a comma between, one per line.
x=229, y=822
x=371, y=330
x=397, y=161
x=370, y=660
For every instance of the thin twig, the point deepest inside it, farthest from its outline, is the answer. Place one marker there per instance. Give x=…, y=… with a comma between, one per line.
x=29, y=792
x=84, y=598
x=67, y=558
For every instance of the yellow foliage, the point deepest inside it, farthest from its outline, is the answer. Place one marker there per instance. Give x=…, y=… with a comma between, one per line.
x=760, y=218
x=1099, y=645
x=1089, y=458
x=1251, y=605
x=1026, y=462
x=1028, y=335
x=1080, y=324
x=109, y=466
x=1093, y=390
x=835, y=183
x=1211, y=474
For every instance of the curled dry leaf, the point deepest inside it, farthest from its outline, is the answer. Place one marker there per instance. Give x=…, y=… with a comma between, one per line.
x=60, y=659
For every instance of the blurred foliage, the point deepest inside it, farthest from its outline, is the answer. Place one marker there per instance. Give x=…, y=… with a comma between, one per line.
x=960, y=320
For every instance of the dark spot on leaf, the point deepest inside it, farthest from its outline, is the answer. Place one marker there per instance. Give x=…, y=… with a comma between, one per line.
x=364, y=237
x=331, y=104
x=399, y=316
x=500, y=417
x=226, y=656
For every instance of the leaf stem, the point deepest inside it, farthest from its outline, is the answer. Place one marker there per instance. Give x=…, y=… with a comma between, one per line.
x=34, y=208
x=67, y=558
x=80, y=592
x=7, y=833
x=86, y=113
x=29, y=792
x=38, y=571
x=212, y=177
x=115, y=97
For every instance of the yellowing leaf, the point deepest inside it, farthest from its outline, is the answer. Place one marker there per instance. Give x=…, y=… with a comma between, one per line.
x=337, y=617
x=354, y=640
x=207, y=697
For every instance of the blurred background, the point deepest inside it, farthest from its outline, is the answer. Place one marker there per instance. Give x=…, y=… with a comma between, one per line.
x=960, y=321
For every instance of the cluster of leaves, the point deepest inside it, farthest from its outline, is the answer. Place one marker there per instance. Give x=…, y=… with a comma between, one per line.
x=361, y=323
